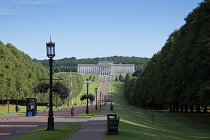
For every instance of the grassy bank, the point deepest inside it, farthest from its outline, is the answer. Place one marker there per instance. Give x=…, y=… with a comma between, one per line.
x=92, y=113
x=91, y=89
x=61, y=132
x=76, y=100
x=4, y=109
x=137, y=123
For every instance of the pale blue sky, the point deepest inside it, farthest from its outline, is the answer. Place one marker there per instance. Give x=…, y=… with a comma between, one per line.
x=91, y=28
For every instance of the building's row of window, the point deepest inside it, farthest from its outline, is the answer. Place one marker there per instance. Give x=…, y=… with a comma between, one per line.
x=94, y=70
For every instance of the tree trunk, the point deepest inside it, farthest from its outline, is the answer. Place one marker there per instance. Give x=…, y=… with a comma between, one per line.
x=186, y=108
x=170, y=107
x=191, y=108
x=177, y=107
x=198, y=110
x=205, y=109
x=182, y=108
x=173, y=107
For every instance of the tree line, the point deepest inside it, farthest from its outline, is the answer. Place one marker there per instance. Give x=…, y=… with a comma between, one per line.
x=18, y=73
x=61, y=88
x=70, y=64
x=178, y=76
x=19, y=76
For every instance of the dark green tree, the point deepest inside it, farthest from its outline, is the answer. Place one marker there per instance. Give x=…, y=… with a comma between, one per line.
x=178, y=76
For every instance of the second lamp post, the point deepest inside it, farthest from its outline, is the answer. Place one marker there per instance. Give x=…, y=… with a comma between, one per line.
x=87, y=83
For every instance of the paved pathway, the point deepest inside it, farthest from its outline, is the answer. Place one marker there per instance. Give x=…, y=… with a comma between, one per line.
x=93, y=129
x=14, y=125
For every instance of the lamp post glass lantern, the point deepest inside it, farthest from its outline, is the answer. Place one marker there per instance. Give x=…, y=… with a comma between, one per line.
x=50, y=49
x=50, y=53
x=87, y=82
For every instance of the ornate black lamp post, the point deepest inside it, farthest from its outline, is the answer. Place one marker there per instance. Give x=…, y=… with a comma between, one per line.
x=50, y=53
x=96, y=97
x=104, y=99
x=111, y=107
x=100, y=99
x=87, y=83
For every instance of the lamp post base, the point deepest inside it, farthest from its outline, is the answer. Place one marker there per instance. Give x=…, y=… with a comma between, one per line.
x=16, y=108
x=87, y=111
x=51, y=124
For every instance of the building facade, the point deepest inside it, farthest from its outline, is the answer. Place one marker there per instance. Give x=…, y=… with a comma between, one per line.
x=105, y=68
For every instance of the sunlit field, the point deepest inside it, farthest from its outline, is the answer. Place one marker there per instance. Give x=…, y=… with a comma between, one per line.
x=138, y=123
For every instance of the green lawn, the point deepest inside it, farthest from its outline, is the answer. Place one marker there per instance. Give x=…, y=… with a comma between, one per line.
x=4, y=109
x=77, y=101
x=61, y=132
x=91, y=89
x=137, y=123
x=91, y=113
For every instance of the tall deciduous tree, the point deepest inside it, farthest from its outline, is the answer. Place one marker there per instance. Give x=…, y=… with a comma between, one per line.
x=18, y=73
x=178, y=76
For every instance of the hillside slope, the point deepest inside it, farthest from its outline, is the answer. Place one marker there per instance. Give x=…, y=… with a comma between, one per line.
x=18, y=73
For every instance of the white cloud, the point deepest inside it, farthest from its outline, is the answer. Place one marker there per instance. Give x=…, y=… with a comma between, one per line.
x=7, y=12
x=34, y=2
x=11, y=7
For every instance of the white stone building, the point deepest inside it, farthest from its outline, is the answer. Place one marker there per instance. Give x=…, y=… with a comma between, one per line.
x=105, y=68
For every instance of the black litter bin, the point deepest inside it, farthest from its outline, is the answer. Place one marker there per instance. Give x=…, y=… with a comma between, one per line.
x=112, y=124
x=31, y=106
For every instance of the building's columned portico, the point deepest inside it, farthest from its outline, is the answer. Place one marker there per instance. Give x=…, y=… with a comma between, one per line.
x=105, y=68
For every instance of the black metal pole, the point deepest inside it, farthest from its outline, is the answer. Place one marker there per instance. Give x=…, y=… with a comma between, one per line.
x=96, y=97
x=100, y=99
x=17, y=103
x=56, y=100
x=87, y=110
x=104, y=99
x=51, y=118
x=8, y=106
